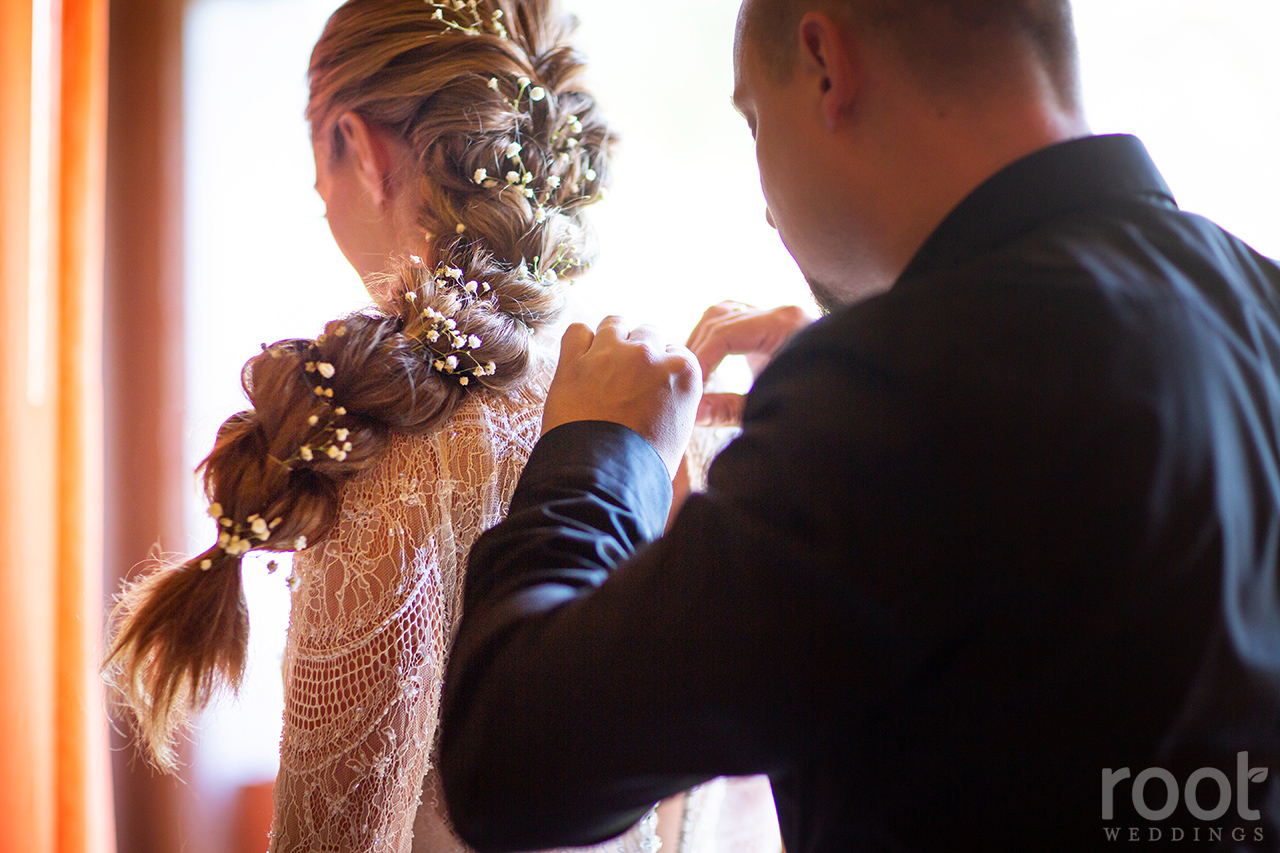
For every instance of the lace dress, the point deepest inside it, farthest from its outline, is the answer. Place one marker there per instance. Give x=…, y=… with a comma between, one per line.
x=374, y=609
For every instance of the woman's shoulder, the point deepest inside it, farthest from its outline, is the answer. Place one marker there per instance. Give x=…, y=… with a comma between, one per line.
x=488, y=423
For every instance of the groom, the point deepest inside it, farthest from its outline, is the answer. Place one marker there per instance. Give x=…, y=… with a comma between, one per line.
x=993, y=563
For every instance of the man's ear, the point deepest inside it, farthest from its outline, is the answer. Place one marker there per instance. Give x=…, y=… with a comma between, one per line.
x=372, y=157
x=828, y=56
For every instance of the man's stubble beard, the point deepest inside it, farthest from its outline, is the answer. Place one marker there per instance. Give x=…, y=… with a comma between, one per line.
x=828, y=300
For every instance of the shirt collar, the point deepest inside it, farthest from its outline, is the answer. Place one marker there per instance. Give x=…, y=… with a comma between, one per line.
x=1069, y=176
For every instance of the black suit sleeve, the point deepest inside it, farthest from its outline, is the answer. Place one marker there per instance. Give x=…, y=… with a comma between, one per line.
x=594, y=675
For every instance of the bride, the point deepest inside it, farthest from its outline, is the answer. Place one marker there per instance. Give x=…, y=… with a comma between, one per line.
x=456, y=152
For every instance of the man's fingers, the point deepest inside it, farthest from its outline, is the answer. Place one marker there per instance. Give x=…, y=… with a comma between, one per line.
x=575, y=343
x=728, y=330
x=647, y=335
x=612, y=328
x=721, y=410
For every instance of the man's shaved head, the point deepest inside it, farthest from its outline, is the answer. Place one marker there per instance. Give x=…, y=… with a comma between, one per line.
x=954, y=45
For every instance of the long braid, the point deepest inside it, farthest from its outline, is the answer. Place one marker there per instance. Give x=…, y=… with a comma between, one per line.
x=510, y=151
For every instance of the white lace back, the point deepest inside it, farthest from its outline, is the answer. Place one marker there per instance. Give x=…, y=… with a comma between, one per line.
x=374, y=608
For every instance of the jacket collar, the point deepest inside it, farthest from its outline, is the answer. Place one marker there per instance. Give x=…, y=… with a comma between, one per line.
x=1070, y=176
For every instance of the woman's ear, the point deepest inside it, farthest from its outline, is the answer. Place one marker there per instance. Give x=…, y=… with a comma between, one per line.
x=828, y=56
x=372, y=157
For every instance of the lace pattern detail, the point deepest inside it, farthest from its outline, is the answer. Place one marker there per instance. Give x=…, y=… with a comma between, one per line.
x=374, y=608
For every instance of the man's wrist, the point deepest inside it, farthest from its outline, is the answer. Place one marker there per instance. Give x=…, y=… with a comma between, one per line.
x=601, y=456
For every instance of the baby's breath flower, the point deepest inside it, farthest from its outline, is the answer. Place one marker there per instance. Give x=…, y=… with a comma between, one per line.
x=461, y=229
x=300, y=543
x=493, y=83
x=553, y=181
x=305, y=453
x=215, y=510
x=333, y=452
x=206, y=565
x=340, y=411
x=513, y=177
x=326, y=369
x=451, y=363
x=474, y=342
x=462, y=380
x=313, y=420
x=481, y=175
x=524, y=82
x=514, y=149
x=342, y=434
x=590, y=174
x=537, y=93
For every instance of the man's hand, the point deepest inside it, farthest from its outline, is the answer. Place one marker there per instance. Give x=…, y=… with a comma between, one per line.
x=732, y=328
x=627, y=376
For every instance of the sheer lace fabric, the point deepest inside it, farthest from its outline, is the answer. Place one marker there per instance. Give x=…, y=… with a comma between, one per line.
x=374, y=609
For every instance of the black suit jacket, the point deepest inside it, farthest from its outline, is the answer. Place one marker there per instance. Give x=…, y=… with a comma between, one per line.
x=1010, y=526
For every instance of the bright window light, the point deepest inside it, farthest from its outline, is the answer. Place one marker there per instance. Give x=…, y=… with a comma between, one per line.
x=683, y=228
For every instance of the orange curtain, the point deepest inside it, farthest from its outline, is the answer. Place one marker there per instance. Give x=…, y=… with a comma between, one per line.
x=54, y=791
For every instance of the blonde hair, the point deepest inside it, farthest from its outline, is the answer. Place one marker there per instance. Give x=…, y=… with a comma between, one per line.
x=464, y=85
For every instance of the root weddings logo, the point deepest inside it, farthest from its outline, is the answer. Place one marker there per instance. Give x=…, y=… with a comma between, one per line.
x=1208, y=794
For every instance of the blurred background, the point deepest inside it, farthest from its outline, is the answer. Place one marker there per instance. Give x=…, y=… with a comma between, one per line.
x=158, y=223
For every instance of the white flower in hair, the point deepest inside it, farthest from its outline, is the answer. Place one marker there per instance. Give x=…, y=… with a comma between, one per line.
x=481, y=175
x=464, y=381
x=553, y=181
x=474, y=342
x=341, y=434
x=590, y=174
x=524, y=82
x=537, y=93
x=215, y=510
x=326, y=370
x=451, y=363
x=513, y=177
x=513, y=150
x=305, y=453
x=493, y=83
